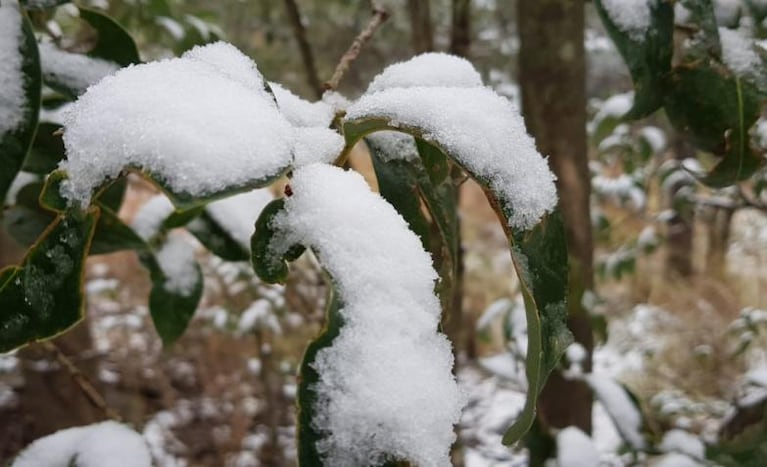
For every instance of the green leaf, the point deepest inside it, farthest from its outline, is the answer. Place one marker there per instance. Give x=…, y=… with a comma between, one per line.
x=217, y=239
x=43, y=296
x=308, y=455
x=47, y=150
x=113, y=193
x=270, y=268
x=704, y=42
x=27, y=220
x=719, y=125
x=170, y=311
x=15, y=142
x=540, y=260
x=649, y=59
x=112, y=234
x=114, y=42
x=50, y=196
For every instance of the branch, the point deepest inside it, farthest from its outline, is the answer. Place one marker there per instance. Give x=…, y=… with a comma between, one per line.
x=81, y=380
x=379, y=17
x=299, y=30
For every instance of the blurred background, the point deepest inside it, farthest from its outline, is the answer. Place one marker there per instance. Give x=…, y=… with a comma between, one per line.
x=678, y=306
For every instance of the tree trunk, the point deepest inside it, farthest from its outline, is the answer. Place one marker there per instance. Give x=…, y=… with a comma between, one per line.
x=460, y=31
x=420, y=26
x=553, y=82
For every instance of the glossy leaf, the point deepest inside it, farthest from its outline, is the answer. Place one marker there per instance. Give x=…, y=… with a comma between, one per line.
x=15, y=143
x=114, y=43
x=217, y=239
x=648, y=59
x=47, y=150
x=112, y=234
x=540, y=260
x=43, y=296
x=270, y=268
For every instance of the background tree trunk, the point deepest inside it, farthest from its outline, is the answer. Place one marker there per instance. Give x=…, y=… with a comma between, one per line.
x=460, y=31
x=553, y=83
x=299, y=31
x=420, y=26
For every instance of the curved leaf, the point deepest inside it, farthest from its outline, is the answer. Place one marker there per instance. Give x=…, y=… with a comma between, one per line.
x=47, y=150
x=268, y=266
x=540, y=260
x=43, y=296
x=112, y=234
x=216, y=239
x=15, y=141
x=114, y=43
x=648, y=59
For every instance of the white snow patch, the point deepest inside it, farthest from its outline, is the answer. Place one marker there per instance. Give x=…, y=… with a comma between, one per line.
x=575, y=449
x=259, y=315
x=237, y=214
x=75, y=71
x=388, y=349
x=12, y=98
x=202, y=123
x=151, y=215
x=483, y=131
x=300, y=112
x=738, y=52
x=393, y=145
x=655, y=137
x=106, y=444
x=684, y=443
x=316, y=144
x=676, y=460
x=176, y=259
x=618, y=404
x=433, y=69
x=630, y=16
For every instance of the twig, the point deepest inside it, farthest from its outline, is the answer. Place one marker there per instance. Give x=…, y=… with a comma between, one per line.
x=81, y=380
x=379, y=17
x=299, y=31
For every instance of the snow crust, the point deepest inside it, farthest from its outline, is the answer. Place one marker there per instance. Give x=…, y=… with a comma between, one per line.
x=12, y=101
x=176, y=258
x=202, y=123
x=738, y=52
x=630, y=16
x=237, y=214
x=388, y=350
x=477, y=126
x=575, y=449
x=151, y=215
x=106, y=444
x=429, y=69
x=75, y=71
x=300, y=112
x=627, y=419
x=394, y=145
x=316, y=144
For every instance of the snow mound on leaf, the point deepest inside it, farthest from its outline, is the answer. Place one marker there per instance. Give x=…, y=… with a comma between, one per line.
x=389, y=349
x=12, y=100
x=433, y=69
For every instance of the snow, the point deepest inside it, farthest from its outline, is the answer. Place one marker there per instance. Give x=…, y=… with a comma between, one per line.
x=237, y=214
x=483, y=131
x=727, y=11
x=201, y=123
x=738, y=52
x=150, y=217
x=620, y=407
x=615, y=107
x=316, y=144
x=393, y=145
x=106, y=444
x=433, y=69
x=389, y=349
x=630, y=16
x=173, y=27
x=575, y=449
x=75, y=71
x=655, y=137
x=176, y=259
x=299, y=112
x=676, y=460
x=259, y=315
x=684, y=443
x=12, y=99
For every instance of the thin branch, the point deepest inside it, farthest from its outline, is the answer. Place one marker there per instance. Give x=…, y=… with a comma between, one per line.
x=299, y=30
x=379, y=17
x=81, y=380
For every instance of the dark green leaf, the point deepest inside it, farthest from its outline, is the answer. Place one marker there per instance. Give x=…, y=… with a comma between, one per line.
x=649, y=59
x=47, y=150
x=217, y=239
x=112, y=194
x=308, y=455
x=114, y=43
x=112, y=234
x=704, y=41
x=268, y=266
x=43, y=296
x=50, y=197
x=27, y=220
x=15, y=142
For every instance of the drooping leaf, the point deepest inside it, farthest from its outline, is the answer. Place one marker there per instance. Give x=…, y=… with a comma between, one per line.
x=15, y=140
x=648, y=58
x=43, y=296
x=47, y=150
x=112, y=234
x=114, y=43
x=217, y=239
x=271, y=268
x=540, y=260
